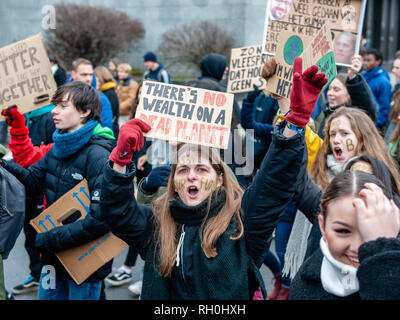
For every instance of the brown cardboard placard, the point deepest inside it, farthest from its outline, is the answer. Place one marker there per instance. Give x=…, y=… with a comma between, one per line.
x=245, y=69
x=303, y=17
x=290, y=46
x=25, y=75
x=320, y=53
x=80, y=262
x=186, y=114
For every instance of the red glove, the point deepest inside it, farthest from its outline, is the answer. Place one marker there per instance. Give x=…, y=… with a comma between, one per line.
x=306, y=88
x=130, y=140
x=16, y=120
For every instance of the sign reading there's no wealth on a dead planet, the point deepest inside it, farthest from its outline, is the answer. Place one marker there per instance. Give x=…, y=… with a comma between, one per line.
x=179, y=113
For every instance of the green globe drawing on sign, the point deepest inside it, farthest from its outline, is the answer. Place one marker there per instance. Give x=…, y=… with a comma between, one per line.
x=293, y=48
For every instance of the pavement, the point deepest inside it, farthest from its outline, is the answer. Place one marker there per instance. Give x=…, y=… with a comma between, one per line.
x=16, y=271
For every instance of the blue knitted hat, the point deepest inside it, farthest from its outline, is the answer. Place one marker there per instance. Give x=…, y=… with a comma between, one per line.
x=150, y=56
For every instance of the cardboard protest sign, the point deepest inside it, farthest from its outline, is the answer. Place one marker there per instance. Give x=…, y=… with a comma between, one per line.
x=25, y=75
x=80, y=262
x=320, y=53
x=186, y=114
x=305, y=18
x=290, y=46
x=245, y=69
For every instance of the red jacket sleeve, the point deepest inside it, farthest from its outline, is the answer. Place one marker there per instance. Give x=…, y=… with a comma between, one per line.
x=24, y=152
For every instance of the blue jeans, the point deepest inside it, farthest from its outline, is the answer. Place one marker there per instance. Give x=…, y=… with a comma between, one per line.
x=282, y=234
x=62, y=287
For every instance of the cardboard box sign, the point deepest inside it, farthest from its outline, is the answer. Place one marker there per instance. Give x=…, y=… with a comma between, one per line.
x=25, y=75
x=80, y=262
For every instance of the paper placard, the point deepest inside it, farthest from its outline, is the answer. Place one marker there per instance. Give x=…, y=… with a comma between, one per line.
x=245, y=69
x=25, y=75
x=80, y=262
x=186, y=114
x=306, y=17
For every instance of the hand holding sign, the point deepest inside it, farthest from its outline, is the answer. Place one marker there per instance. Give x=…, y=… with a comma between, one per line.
x=268, y=69
x=130, y=140
x=306, y=88
x=355, y=68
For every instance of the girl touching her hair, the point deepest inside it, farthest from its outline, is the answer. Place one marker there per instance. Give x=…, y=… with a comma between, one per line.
x=359, y=255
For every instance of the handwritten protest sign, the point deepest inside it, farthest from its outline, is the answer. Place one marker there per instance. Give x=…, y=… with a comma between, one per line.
x=290, y=46
x=25, y=75
x=320, y=53
x=186, y=114
x=245, y=69
x=306, y=17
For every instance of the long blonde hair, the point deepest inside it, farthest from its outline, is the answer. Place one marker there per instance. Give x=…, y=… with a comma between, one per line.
x=211, y=229
x=369, y=142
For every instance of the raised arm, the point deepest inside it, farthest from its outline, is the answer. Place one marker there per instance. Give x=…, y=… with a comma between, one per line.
x=360, y=93
x=23, y=151
x=275, y=183
x=118, y=208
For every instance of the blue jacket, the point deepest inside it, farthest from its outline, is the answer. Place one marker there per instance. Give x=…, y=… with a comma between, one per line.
x=160, y=74
x=381, y=88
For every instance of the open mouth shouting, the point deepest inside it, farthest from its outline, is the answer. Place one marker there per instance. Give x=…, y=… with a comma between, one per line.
x=338, y=153
x=192, y=191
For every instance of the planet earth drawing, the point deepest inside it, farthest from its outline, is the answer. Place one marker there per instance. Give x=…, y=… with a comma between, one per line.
x=293, y=48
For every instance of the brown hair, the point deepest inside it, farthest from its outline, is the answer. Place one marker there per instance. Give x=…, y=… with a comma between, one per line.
x=83, y=96
x=76, y=63
x=136, y=101
x=103, y=75
x=348, y=183
x=211, y=228
x=369, y=142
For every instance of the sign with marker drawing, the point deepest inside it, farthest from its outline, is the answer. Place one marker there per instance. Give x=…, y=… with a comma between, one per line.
x=84, y=260
x=186, y=114
x=245, y=69
x=26, y=79
x=306, y=17
x=290, y=46
x=320, y=53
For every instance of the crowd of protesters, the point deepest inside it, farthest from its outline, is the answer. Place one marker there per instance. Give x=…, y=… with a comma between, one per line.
x=325, y=186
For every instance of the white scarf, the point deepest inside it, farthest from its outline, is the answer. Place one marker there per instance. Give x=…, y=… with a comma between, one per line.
x=337, y=278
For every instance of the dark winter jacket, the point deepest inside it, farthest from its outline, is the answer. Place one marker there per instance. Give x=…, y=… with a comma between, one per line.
x=261, y=212
x=378, y=274
x=41, y=126
x=54, y=177
x=260, y=120
x=360, y=96
x=160, y=74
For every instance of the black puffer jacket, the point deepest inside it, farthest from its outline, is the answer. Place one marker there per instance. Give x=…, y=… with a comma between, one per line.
x=378, y=274
x=55, y=177
x=262, y=209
